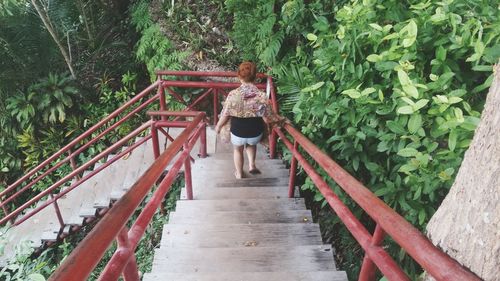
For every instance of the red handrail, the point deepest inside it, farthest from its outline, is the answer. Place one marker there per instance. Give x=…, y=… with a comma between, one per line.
x=80, y=138
x=83, y=259
x=437, y=263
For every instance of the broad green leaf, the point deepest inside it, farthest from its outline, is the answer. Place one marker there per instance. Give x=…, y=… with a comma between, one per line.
x=453, y=100
x=383, y=191
x=407, y=109
x=420, y=103
x=361, y=135
x=406, y=168
x=457, y=93
x=396, y=127
x=414, y=123
x=374, y=58
x=408, y=101
x=312, y=37
x=486, y=68
x=380, y=95
x=368, y=91
x=441, y=53
x=407, y=152
x=433, y=77
x=452, y=140
x=376, y=26
x=353, y=93
x=313, y=87
x=36, y=277
x=403, y=78
x=411, y=90
x=407, y=42
x=421, y=5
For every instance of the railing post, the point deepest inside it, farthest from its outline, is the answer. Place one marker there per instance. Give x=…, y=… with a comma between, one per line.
x=154, y=137
x=368, y=268
x=122, y=262
x=293, y=171
x=272, y=144
x=58, y=211
x=163, y=103
x=203, y=140
x=187, y=176
x=72, y=163
x=216, y=106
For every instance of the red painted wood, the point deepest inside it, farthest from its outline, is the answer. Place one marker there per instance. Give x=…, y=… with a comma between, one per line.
x=368, y=269
x=70, y=176
x=80, y=138
x=386, y=264
x=433, y=260
x=80, y=263
x=293, y=171
x=203, y=73
x=202, y=84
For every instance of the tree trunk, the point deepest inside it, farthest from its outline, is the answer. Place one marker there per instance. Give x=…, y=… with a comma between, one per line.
x=46, y=22
x=467, y=224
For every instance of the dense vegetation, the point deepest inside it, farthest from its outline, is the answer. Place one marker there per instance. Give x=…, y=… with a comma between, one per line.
x=392, y=90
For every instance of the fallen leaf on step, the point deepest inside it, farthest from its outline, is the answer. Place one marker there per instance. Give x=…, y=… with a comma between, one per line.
x=306, y=219
x=250, y=243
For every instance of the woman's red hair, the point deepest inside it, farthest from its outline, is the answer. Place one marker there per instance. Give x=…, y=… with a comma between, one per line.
x=247, y=71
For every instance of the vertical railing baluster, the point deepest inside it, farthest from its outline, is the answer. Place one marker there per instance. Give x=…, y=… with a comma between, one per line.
x=203, y=140
x=123, y=262
x=187, y=176
x=293, y=171
x=72, y=163
x=216, y=106
x=154, y=137
x=58, y=211
x=163, y=103
x=368, y=268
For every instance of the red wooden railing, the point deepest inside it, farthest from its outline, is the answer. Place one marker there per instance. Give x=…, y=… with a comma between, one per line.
x=80, y=263
x=437, y=263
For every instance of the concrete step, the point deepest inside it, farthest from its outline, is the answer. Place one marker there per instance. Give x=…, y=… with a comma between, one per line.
x=241, y=205
x=240, y=235
x=249, y=276
x=218, y=218
x=244, y=259
x=262, y=192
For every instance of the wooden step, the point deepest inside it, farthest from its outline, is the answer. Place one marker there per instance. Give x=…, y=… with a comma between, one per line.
x=249, y=276
x=216, y=174
x=241, y=205
x=218, y=218
x=245, y=259
x=240, y=235
x=262, y=192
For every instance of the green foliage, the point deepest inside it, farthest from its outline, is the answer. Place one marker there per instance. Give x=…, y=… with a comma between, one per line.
x=392, y=90
x=153, y=48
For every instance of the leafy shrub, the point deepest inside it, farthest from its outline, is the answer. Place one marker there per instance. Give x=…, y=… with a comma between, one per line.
x=392, y=90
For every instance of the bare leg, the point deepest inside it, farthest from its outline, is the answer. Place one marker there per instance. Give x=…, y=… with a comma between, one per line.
x=238, y=161
x=251, y=152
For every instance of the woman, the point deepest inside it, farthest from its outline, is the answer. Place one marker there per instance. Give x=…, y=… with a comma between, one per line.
x=246, y=109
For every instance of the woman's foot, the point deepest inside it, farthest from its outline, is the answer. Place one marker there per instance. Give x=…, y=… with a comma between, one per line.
x=254, y=171
x=238, y=175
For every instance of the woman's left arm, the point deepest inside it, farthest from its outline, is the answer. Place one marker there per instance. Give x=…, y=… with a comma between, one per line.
x=222, y=121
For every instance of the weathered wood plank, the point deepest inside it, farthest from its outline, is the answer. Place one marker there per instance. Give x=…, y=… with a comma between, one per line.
x=240, y=235
x=222, y=205
x=218, y=218
x=249, y=276
x=246, y=259
x=263, y=192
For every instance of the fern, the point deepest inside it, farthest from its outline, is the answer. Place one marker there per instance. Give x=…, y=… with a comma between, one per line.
x=153, y=48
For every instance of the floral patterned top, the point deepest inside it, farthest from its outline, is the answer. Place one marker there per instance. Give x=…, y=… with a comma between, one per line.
x=247, y=101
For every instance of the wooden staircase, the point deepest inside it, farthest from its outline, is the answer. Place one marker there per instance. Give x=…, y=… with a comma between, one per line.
x=241, y=230
x=88, y=201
